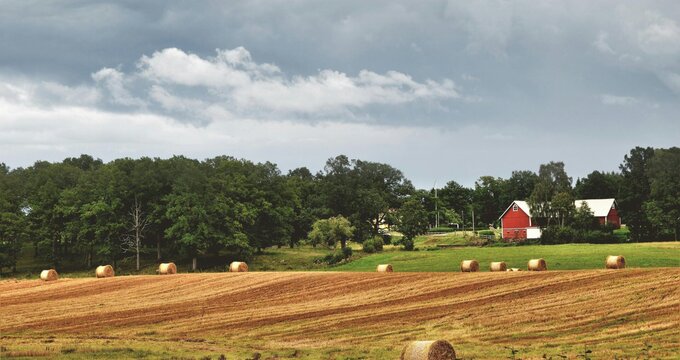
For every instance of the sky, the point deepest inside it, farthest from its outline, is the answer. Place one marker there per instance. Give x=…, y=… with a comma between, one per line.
x=442, y=90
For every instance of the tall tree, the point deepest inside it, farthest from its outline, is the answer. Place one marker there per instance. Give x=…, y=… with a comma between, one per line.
x=636, y=191
x=598, y=185
x=552, y=180
x=412, y=221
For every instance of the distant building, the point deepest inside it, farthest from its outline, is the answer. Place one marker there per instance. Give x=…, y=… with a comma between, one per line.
x=518, y=223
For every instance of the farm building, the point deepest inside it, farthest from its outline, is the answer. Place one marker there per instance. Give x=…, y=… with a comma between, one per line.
x=517, y=222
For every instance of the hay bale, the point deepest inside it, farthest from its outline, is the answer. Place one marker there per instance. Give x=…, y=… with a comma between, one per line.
x=238, y=266
x=384, y=268
x=469, y=266
x=104, y=271
x=615, y=262
x=537, y=265
x=498, y=266
x=514, y=269
x=428, y=350
x=167, y=269
x=49, y=275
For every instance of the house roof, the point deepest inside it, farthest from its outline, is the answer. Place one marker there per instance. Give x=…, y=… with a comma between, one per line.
x=599, y=207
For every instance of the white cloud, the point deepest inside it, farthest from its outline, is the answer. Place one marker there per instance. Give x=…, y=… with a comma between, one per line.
x=115, y=83
x=660, y=35
x=601, y=43
x=608, y=99
x=233, y=77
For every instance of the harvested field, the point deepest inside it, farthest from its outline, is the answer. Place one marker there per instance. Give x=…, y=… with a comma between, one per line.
x=330, y=315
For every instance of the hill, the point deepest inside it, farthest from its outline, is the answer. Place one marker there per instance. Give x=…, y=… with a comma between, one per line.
x=344, y=315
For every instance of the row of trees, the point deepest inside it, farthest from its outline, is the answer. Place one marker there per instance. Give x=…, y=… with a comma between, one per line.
x=82, y=209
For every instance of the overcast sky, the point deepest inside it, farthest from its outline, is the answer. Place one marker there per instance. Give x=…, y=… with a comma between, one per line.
x=441, y=90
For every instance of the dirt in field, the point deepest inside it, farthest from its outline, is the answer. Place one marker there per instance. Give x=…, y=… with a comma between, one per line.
x=331, y=315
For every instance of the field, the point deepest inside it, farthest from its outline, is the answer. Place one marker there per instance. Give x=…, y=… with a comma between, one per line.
x=558, y=257
x=630, y=313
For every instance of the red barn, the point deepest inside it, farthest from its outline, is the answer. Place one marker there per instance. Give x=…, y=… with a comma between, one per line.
x=603, y=209
x=517, y=222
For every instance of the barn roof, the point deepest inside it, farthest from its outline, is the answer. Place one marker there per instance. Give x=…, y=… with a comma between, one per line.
x=522, y=205
x=599, y=207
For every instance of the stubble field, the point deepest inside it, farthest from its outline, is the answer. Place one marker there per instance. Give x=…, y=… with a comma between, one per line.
x=629, y=313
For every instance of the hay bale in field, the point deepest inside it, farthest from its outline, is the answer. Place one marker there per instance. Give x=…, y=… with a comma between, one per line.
x=498, y=266
x=238, y=266
x=514, y=269
x=49, y=275
x=428, y=350
x=537, y=265
x=104, y=271
x=384, y=268
x=469, y=266
x=615, y=262
x=167, y=269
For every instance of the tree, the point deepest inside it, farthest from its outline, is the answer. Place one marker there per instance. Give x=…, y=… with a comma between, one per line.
x=598, y=185
x=455, y=197
x=412, y=221
x=636, y=191
x=138, y=227
x=552, y=180
x=562, y=206
x=487, y=198
x=583, y=218
x=330, y=231
x=664, y=176
x=519, y=186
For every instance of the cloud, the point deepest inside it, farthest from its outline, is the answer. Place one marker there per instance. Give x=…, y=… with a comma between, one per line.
x=601, y=43
x=608, y=99
x=232, y=77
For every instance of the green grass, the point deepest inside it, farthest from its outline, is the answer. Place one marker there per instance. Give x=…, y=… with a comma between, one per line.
x=558, y=257
x=429, y=258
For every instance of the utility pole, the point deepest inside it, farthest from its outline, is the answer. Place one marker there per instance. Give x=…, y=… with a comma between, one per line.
x=473, y=221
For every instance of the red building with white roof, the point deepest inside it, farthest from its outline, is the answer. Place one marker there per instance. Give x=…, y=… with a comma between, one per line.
x=517, y=222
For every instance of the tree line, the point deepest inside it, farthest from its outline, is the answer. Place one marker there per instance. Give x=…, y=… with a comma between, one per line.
x=82, y=209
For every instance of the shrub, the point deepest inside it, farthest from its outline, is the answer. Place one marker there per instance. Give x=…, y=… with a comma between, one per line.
x=386, y=238
x=408, y=243
x=372, y=245
x=336, y=257
x=486, y=232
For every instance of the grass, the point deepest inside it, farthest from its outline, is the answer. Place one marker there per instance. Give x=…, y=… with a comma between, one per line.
x=558, y=257
x=441, y=252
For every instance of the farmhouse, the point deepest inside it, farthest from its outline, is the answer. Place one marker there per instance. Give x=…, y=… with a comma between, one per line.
x=518, y=223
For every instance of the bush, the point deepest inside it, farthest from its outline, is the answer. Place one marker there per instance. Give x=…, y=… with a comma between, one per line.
x=408, y=243
x=565, y=235
x=372, y=245
x=386, y=239
x=486, y=232
x=336, y=257
x=558, y=235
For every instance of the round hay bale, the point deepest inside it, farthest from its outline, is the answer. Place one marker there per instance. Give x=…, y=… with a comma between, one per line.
x=49, y=275
x=104, y=271
x=469, y=266
x=384, y=268
x=238, y=266
x=514, y=269
x=498, y=266
x=167, y=268
x=537, y=265
x=615, y=262
x=428, y=350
